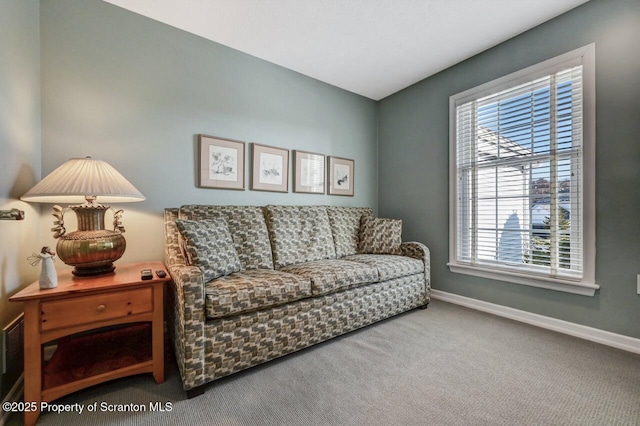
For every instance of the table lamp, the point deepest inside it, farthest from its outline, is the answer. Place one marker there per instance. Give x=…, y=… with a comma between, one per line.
x=91, y=249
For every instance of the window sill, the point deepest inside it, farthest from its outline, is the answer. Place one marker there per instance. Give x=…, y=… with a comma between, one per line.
x=581, y=288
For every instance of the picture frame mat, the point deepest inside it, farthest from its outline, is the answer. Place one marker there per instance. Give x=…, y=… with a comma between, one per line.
x=345, y=183
x=309, y=167
x=229, y=167
x=262, y=179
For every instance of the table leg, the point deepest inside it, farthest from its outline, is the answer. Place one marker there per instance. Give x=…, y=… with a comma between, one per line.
x=157, y=334
x=32, y=362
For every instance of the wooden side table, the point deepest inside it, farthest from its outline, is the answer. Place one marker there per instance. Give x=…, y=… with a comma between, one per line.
x=81, y=304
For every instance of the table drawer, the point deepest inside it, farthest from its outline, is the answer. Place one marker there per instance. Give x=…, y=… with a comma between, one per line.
x=82, y=310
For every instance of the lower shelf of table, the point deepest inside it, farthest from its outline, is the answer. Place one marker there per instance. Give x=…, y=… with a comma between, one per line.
x=86, y=360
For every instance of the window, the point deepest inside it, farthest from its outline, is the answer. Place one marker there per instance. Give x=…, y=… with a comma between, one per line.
x=522, y=182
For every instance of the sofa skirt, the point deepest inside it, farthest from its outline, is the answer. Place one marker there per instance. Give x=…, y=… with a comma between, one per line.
x=239, y=342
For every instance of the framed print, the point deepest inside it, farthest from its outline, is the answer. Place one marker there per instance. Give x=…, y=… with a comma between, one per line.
x=221, y=163
x=308, y=172
x=341, y=176
x=269, y=168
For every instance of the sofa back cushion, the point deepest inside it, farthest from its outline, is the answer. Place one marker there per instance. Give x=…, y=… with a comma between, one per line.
x=345, y=227
x=247, y=227
x=299, y=234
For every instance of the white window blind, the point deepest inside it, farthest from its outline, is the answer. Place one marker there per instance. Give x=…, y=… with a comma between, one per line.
x=519, y=176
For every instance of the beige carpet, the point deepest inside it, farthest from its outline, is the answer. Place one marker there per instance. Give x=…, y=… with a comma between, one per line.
x=446, y=365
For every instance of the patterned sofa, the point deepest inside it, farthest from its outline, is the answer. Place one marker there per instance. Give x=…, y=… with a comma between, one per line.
x=301, y=279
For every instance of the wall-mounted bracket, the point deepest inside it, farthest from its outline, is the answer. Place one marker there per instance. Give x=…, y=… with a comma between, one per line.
x=13, y=214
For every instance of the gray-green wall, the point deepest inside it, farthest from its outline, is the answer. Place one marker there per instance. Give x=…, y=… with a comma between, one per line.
x=135, y=92
x=414, y=162
x=98, y=80
x=19, y=150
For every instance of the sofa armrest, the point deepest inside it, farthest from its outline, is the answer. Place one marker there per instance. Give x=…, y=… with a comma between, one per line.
x=189, y=284
x=420, y=251
x=188, y=317
x=416, y=250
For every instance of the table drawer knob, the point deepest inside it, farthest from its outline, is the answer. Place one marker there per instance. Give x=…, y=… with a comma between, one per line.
x=101, y=308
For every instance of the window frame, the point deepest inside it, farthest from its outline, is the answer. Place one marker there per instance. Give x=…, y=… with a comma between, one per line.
x=586, y=285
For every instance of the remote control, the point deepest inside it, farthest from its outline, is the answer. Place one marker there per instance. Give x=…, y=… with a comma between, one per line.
x=161, y=274
x=146, y=274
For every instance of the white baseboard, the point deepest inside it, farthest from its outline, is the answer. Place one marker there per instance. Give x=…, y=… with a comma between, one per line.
x=14, y=395
x=619, y=341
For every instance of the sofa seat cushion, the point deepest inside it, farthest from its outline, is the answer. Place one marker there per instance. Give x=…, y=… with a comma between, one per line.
x=390, y=266
x=331, y=275
x=251, y=290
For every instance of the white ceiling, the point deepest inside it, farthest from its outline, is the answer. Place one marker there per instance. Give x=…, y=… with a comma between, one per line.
x=370, y=47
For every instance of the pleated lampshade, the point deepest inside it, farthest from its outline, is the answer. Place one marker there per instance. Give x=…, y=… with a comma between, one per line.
x=80, y=177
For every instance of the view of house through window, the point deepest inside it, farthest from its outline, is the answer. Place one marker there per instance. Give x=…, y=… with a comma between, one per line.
x=519, y=176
